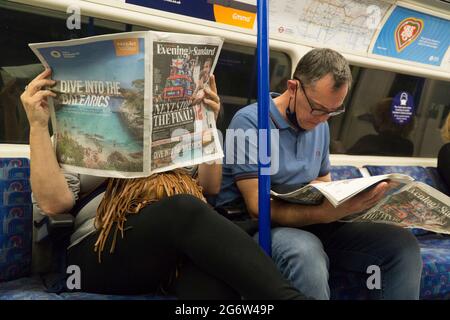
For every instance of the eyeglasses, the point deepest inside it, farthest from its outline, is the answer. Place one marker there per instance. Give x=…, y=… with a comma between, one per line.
x=320, y=111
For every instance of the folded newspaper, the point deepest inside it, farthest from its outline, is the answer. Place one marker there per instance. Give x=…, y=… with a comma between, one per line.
x=131, y=104
x=410, y=204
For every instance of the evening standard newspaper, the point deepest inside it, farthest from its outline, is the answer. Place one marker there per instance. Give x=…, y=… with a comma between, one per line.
x=408, y=203
x=416, y=205
x=130, y=104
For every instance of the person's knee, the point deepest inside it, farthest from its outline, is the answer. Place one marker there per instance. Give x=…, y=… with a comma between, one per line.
x=300, y=252
x=291, y=242
x=186, y=204
x=404, y=250
x=301, y=258
x=180, y=209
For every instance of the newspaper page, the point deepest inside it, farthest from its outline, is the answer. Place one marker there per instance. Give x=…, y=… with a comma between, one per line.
x=101, y=108
x=115, y=93
x=338, y=191
x=306, y=195
x=416, y=205
x=183, y=130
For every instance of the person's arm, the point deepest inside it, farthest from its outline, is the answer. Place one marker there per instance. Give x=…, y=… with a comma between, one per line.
x=325, y=178
x=210, y=174
x=49, y=186
x=295, y=215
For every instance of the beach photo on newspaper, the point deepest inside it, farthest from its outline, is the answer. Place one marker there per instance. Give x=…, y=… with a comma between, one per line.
x=130, y=104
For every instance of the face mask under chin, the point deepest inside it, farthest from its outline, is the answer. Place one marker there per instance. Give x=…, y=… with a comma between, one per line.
x=292, y=117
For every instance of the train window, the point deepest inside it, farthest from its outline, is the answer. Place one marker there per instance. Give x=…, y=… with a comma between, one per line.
x=235, y=71
x=20, y=25
x=236, y=77
x=368, y=126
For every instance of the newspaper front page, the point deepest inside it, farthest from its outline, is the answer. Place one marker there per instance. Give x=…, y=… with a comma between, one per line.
x=408, y=203
x=100, y=111
x=338, y=191
x=416, y=205
x=184, y=131
x=108, y=110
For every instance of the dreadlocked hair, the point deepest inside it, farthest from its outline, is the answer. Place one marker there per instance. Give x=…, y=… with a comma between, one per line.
x=128, y=196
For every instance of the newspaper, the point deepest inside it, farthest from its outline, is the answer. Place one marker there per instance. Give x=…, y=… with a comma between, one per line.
x=130, y=104
x=336, y=191
x=409, y=203
x=416, y=205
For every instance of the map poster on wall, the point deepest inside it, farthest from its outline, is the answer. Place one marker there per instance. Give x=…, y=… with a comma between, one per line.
x=231, y=12
x=414, y=36
x=347, y=25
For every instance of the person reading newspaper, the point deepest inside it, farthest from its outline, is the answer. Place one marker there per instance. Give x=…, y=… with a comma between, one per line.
x=444, y=153
x=309, y=245
x=409, y=203
x=160, y=233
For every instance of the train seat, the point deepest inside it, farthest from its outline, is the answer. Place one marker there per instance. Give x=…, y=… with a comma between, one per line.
x=26, y=267
x=19, y=281
x=345, y=172
x=435, y=248
x=428, y=175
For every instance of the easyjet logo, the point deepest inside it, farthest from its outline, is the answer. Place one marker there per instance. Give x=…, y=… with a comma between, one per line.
x=407, y=32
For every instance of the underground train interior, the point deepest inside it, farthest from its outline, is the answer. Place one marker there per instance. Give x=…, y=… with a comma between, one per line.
x=358, y=145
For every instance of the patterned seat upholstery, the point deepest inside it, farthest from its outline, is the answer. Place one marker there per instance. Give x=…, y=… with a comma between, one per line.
x=435, y=251
x=15, y=219
x=32, y=288
x=426, y=175
x=435, y=282
x=345, y=172
x=438, y=181
x=435, y=248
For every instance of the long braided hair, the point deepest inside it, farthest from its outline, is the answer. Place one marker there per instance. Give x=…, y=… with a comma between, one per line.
x=129, y=196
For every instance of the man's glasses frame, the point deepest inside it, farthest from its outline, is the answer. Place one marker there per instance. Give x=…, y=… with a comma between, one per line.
x=320, y=111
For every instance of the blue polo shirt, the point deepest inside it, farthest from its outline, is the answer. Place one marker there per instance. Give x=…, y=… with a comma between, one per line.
x=303, y=155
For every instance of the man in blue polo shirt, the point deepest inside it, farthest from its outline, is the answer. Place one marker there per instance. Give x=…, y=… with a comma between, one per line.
x=308, y=243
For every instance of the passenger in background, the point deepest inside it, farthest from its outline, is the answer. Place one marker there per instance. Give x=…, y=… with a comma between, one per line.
x=444, y=154
x=308, y=242
x=176, y=244
x=391, y=138
x=13, y=119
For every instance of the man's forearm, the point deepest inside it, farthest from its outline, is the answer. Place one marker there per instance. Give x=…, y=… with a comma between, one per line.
x=295, y=215
x=48, y=183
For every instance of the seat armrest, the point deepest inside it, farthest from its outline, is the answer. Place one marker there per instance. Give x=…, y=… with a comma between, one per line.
x=54, y=227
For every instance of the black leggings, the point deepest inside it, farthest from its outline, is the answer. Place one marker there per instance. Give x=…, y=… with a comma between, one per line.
x=219, y=260
x=444, y=163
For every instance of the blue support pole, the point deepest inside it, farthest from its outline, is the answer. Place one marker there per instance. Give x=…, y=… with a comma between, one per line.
x=263, y=127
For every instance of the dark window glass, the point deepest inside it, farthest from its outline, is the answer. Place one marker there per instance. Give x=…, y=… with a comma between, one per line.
x=367, y=126
x=19, y=26
x=236, y=77
x=235, y=71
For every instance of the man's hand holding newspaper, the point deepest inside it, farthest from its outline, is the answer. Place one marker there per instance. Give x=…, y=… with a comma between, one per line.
x=391, y=198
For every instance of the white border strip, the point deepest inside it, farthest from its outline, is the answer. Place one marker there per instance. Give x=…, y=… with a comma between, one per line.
x=165, y=22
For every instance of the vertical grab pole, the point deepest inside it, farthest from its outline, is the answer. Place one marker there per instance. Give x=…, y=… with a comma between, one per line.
x=263, y=128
